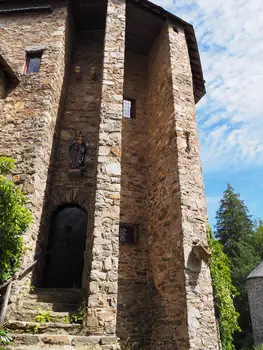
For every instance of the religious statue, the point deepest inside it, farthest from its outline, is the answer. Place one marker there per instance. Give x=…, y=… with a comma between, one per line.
x=77, y=151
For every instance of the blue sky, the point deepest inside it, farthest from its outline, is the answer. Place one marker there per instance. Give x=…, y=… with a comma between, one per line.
x=230, y=116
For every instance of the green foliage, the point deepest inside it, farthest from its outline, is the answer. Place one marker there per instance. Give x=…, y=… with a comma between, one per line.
x=14, y=221
x=233, y=222
x=77, y=317
x=35, y=329
x=257, y=240
x=224, y=292
x=235, y=232
x=43, y=317
x=6, y=165
x=5, y=338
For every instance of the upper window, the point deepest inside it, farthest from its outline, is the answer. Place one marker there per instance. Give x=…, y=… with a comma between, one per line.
x=129, y=108
x=128, y=233
x=33, y=60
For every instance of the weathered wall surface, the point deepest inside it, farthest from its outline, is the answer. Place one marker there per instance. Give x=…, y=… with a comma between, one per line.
x=193, y=218
x=80, y=113
x=134, y=314
x=102, y=303
x=254, y=288
x=144, y=171
x=165, y=235
x=29, y=113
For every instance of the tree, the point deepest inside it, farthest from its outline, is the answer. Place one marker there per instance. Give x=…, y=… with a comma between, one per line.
x=224, y=292
x=233, y=222
x=234, y=230
x=15, y=218
x=257, y=238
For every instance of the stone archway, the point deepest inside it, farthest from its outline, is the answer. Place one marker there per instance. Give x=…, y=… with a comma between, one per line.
x=66, y=246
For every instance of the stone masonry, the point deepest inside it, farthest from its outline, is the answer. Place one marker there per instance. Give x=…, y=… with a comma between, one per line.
x=102, y=303
x=29, y=113
x=133, y=294
x=254, y=285
x=199, y=295
x=165, y=234
x=143, y=171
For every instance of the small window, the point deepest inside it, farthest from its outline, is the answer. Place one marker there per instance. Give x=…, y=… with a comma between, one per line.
x=128, y=233
x=129, y=108
x=33, y=60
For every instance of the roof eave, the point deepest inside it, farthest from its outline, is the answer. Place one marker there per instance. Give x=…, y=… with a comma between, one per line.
x=197, y=72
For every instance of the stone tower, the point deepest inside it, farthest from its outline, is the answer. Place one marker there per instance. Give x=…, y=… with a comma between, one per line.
x=254, y=286
x=98, y=109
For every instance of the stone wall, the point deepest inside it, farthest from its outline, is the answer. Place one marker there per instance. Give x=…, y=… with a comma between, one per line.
x=254, y=288
x=2, y=85
x=29, y=113
x=143, y=171
x=165, y=235
x=102, y=303
x=80, y=113
x=134, y=313
x=201, y=320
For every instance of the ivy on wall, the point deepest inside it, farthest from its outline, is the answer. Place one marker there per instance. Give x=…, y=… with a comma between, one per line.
x=15, y=218
x=224, y=293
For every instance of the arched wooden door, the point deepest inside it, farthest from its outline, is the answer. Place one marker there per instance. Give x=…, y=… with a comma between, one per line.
x=67, y=237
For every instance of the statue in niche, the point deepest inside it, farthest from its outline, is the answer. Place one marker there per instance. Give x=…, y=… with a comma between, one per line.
x=77, y=151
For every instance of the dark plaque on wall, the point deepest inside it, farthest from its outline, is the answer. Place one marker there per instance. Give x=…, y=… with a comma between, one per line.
x=128, y=233
x=76, y=153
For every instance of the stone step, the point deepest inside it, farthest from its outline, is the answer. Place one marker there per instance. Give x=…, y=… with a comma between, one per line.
x=41, y=347
x=48, y=295
x=60, y=306
x=55, y=342
x=50, y=328
x=27, y=315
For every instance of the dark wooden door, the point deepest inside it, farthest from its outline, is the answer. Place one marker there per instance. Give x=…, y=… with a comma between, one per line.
x=65, y=261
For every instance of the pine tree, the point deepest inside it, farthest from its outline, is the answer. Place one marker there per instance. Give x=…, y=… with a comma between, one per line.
x=233, y=224
x=234, y=230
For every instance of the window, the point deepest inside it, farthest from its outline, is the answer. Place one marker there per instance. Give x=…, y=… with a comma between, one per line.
x=129, y=108
x=128, y=233
x=33, y=60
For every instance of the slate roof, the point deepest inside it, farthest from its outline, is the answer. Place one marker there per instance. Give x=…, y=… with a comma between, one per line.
x=257, y=273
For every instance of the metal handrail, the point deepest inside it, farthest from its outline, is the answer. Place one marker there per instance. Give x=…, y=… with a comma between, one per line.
x=8, y=284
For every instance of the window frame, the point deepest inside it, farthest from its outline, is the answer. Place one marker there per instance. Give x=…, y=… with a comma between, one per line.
x=135, y=238
x=133, y=107
x=31, y=55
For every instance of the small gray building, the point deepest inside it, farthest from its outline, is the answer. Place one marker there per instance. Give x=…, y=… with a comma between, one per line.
x=254, y=286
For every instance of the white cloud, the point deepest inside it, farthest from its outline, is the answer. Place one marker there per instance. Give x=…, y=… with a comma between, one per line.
x=230, y=37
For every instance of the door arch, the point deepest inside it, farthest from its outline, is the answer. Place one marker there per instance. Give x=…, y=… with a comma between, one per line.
x=67, y=238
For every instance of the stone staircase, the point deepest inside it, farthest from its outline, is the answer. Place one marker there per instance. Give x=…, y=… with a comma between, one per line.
x=51, y=319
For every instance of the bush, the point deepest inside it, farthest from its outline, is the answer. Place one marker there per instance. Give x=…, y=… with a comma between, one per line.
x=5, y=338
x=224, y=293
x=15, y=218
